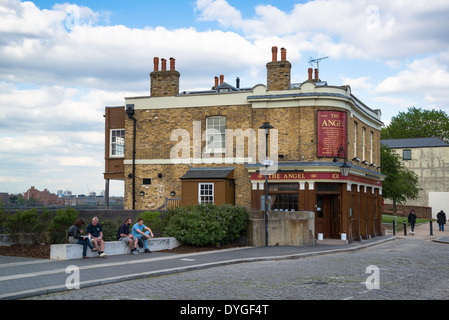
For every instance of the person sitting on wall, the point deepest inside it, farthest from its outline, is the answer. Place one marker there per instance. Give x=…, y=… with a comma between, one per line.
x=95, y=230
x=76, y=237
x=124, y=235
x=137, y=232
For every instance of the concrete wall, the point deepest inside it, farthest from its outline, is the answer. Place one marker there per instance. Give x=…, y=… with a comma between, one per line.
x=284, y=229
x=432, y=167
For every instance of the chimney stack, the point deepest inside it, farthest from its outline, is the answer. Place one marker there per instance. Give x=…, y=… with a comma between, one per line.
x=310, y=74
x=316, y=75
x=237, y=83
x=221, y=79
x=164, y=82
x=278, y=72
x=216, y=82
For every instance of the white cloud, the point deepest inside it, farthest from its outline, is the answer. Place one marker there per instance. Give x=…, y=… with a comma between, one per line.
x=59, y=68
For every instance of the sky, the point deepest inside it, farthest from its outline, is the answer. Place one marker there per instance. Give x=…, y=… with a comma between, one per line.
x=62, y=63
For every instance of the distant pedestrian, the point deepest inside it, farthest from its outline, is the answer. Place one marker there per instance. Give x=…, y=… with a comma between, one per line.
x=138, y=232
x=412, y=220
x=76, y=236
x=441, y=219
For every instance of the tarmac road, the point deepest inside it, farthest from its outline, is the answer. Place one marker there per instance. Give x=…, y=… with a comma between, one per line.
x=407, y=268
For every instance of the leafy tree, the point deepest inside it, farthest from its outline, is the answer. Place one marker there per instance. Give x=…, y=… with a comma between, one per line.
x=401, y=183
x=418, y=123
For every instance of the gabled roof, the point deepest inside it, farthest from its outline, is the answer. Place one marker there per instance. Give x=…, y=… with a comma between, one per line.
x=414, y=143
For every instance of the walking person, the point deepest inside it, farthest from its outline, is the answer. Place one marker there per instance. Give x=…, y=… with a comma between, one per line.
x=137, y=231
x=124, y=235
x=76, y=236
x=412, y=220
x=95, y=230
x=441, y=219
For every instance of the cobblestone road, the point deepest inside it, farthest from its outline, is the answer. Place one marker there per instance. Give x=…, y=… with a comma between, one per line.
x=408, y=269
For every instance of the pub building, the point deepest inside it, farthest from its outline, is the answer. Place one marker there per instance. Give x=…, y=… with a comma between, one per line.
x=180, y=148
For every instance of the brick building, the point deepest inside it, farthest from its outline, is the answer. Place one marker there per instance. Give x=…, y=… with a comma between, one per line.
x=208, y=146
x=45, y=198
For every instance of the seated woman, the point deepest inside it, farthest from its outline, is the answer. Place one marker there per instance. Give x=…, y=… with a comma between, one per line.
x=76, y=237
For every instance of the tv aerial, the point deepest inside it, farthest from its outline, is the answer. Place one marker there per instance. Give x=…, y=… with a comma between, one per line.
x=317, y=61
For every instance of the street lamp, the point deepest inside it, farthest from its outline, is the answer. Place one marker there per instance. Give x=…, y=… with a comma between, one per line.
x=267, y=128
x=344, y=169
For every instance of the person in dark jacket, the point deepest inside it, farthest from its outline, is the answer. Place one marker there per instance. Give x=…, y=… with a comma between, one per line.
x=412, y=220
x=76, y=237
x=441, y=219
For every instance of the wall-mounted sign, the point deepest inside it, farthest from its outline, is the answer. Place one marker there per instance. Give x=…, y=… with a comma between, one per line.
x=332, y=134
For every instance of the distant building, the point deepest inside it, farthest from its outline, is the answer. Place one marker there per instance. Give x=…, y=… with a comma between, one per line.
x=45, y=198
x=429, y=159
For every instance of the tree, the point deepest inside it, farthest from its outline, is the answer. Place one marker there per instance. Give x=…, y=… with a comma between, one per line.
x=401, y=183
x=418, y=123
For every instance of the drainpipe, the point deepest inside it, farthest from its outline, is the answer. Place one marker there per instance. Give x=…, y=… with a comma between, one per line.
x=130, y=113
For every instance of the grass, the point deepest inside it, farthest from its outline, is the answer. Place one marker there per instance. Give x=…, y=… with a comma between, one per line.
x=400, y=220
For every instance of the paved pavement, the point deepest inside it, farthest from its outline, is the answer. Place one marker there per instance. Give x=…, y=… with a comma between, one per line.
x=23, y=278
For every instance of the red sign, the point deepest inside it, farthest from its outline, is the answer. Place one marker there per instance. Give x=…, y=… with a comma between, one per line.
x=314, y=176
x=332, y=134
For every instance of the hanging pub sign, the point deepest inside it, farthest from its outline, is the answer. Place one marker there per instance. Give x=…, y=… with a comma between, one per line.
x=332, y=134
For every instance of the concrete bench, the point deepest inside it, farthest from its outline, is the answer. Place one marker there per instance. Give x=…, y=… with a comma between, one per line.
x=75, y=251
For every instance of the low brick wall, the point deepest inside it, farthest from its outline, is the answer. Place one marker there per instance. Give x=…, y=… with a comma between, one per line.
x=404, y=210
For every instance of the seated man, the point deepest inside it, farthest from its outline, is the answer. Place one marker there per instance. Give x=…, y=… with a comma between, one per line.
x=95, y=230
x=137, y=232
x=124, y=235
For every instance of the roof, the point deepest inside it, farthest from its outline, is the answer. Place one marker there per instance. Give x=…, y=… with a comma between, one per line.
x=208, y=173
x=415, y=143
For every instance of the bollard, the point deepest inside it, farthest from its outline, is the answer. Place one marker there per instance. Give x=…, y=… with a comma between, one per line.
x=431, y=228
x=394, y=227
x=405, y=228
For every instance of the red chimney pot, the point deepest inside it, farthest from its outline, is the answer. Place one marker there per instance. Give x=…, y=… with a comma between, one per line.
x=172, y=64
x=156, y=63
x=274, y=53
x=164, y=64
x=283, y=54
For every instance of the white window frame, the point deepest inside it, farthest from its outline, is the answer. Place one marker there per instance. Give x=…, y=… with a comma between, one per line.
x=215, y=127
x=201, y=194
x=111, y=143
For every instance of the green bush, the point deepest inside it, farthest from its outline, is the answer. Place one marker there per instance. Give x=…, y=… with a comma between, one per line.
x=207, y=224
x=110, y=228
x=154, y=221
x=60, y=224
x=28, y=224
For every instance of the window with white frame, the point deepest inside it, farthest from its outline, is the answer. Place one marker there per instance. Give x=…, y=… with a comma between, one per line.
x=117, y=147
x=205, y=193
x=216, y=134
